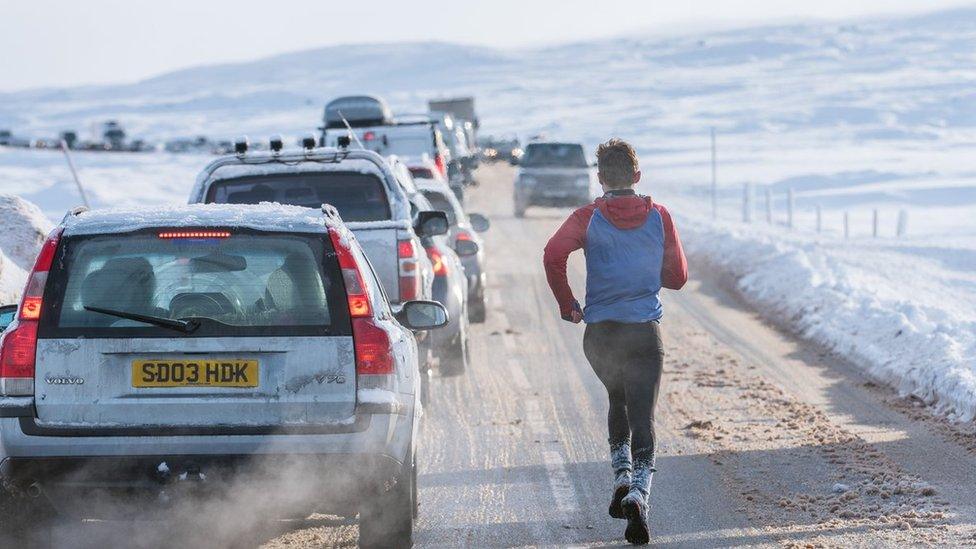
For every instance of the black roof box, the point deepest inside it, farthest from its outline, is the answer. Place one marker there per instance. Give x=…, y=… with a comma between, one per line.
x=358, y=110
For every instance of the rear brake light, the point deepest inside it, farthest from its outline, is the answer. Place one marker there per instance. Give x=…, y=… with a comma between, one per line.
x=356, y=293
x=371, y=342
x=437, y=259
x=464, y=235
x=409, y=273
x=18, y=350
x=374, y=354
x=194, y=234
x=369, y=136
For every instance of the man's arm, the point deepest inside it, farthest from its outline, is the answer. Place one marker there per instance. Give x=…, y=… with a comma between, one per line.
x=570, y=237
x=674, y=271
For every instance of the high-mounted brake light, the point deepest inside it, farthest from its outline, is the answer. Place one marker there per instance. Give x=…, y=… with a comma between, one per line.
x=371, y=342
x=19, y=348
x=409, y=273
x=437, y=259
x=194, y=234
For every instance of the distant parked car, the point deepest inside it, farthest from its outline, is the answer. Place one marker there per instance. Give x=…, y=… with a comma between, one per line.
x=554, y=174
x=158, y=349
x=8, y=139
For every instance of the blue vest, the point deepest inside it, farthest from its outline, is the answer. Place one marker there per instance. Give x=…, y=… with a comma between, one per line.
x=623, y=270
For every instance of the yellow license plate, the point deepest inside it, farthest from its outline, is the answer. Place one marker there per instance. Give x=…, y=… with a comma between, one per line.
x=195, y=373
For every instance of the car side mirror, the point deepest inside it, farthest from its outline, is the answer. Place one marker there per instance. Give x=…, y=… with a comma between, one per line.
x=7, y=315
x=422, y=315
x=479, y=222
x=466, y=248
x=431, y=223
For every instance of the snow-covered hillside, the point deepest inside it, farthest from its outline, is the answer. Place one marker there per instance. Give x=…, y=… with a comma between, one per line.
x=874, y=114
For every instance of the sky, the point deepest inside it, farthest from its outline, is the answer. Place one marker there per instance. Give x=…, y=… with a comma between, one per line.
x=63, y=43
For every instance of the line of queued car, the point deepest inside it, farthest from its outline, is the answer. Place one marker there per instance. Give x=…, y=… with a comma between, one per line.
x=283, y=323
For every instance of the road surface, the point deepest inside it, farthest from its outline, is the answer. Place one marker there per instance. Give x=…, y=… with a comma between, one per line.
x=763, y=440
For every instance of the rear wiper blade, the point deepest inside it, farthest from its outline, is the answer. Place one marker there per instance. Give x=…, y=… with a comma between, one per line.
x=185, y=326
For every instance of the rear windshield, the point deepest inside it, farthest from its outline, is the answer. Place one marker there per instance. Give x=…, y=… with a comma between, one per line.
x=561, y=155
x=357, y=196
x=440, y=202
x=246, y=284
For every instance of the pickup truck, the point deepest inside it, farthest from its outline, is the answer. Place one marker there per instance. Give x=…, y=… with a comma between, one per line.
x=360, y=185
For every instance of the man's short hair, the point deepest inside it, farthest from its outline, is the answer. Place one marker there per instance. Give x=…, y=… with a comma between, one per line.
x=617, y=162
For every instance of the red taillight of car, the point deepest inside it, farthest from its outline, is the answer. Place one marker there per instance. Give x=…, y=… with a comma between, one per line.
x=463, y=234
x=437, y=260
x=441, y=165
x=356, y=292
x=409, y=271
x=369, y=136
x=19, y=347
x=371, y=342
x=374, y=354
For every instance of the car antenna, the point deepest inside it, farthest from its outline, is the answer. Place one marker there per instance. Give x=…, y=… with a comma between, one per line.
x=351, y=133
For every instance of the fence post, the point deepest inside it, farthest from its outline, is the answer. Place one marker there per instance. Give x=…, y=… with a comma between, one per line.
x=847, y=225
x=902, y=222
x=874, y=224
x=747, y=203
x=819, y=218
x=789, y=208
x=714, y=177
x=769, y=206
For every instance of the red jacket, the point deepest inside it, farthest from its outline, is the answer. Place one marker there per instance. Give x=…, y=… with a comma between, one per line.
x=624, y=210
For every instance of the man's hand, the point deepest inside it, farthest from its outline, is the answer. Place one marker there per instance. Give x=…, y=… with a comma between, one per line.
x=575, y=315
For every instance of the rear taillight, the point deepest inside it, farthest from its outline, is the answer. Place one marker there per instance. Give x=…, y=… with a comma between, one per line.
x=441, y=166
x=374, y=354
x=437, y=260
x=409, y=270
x=356, y=293
x=463, y=234
x=18, y=349
x=371, y=342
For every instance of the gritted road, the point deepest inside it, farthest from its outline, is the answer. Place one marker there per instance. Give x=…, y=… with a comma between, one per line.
x=762, y=440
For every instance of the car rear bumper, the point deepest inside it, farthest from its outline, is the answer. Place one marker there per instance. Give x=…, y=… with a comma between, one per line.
x=356, y=458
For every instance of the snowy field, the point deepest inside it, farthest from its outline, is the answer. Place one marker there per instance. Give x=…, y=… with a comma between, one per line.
x=876, y=114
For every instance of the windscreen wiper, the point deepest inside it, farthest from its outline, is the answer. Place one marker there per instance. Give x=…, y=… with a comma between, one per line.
x=185, y=326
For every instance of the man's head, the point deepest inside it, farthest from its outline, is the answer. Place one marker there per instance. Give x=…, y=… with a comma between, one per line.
x=617, y=165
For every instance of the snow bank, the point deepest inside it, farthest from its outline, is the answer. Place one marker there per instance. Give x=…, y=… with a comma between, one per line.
x=12, y=280
x=905, y=312
x=23, y=228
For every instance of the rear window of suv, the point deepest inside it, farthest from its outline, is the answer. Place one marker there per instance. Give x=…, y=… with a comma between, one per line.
x=243, y=283
x=357, y=196
x=554, y=155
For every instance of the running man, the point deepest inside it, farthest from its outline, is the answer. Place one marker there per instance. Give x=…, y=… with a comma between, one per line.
x=632, y=250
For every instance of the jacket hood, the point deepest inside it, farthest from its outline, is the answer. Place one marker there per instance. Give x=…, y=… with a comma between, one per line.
x=625, y=211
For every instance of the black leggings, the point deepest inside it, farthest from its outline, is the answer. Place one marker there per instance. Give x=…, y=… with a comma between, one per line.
x=628, y=359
